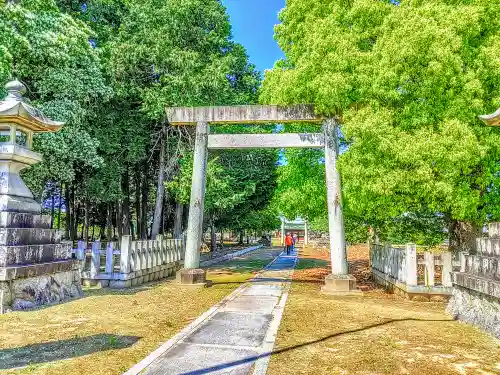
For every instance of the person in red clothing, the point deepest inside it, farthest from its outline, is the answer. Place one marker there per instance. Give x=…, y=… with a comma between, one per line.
x=288, y=243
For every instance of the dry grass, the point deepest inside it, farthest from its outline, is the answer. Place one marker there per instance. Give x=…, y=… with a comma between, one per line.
x=375, y=334
x=109, y=331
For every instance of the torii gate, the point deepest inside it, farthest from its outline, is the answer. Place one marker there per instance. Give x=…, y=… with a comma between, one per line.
x=339, y=281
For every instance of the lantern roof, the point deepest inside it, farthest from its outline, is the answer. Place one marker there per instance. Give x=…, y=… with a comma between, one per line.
x=493, y=119
x=15, y=109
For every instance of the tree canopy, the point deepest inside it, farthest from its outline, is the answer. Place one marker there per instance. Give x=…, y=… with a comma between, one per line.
x=407, y=81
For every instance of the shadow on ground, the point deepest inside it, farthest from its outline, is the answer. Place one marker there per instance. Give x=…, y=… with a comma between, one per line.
x=228, y=365
x=62, y=349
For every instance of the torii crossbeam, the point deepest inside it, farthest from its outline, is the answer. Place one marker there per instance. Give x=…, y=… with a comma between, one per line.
x=338, y=281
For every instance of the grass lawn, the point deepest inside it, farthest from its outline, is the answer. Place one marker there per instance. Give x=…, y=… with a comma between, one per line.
x=375, y=334
x=109, y=331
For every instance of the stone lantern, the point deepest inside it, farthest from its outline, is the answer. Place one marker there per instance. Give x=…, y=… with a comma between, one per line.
x=35, y=267
x=18, y=122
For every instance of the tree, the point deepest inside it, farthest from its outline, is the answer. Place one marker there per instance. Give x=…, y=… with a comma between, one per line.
x=179, y=53
x=407, y=82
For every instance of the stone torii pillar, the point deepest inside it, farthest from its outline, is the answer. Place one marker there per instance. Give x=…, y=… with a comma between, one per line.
x=191, y=274
x=282, y=233
x=338, y=282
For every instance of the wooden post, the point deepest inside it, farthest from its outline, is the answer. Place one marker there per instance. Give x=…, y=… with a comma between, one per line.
x=447, y=268
x=95, y=265
x=110, y=260
x=429, y=268
x=125, y=249
x=411, y=265
x=195, y=221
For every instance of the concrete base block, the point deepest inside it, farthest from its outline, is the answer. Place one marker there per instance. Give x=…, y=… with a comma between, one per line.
x=341, y=285
x=192, y=277
x=134, y=281
x=145, y=279
x=120, y=284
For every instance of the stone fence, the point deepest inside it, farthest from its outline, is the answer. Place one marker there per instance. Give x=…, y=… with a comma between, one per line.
x=476, y=287
x=133, y=263
x=405, y=271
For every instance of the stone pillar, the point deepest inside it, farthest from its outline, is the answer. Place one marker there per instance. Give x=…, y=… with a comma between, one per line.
x=338, y=282
x=191, y=274
x=282, y=233
x=334, y=200
x=306, y=234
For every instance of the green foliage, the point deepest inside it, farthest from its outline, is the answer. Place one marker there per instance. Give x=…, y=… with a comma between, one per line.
x=407, y=83
x=50, y=52
x=239, y=187
x=175, y=53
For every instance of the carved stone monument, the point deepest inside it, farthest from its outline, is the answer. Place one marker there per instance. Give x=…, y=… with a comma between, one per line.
x=35, y=267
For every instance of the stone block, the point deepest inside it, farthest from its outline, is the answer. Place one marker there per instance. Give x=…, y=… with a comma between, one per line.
x=10, y=203
x=192, y=277
x=24, y=220
x=120, y=284
x=340, y=285
x=134, y=281
x=145, y=279
x=29, y=254
x=33, y=270
x=104, y=283
x=476, y=308
x=29, y=236
x=22, y=294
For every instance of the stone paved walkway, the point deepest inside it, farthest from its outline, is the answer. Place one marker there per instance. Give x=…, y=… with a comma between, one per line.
x=235, y=336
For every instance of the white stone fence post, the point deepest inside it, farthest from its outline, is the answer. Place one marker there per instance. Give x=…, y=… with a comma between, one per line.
x=409, y=270
x=130, y=263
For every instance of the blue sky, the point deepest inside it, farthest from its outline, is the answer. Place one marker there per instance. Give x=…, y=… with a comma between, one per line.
x=253, y=26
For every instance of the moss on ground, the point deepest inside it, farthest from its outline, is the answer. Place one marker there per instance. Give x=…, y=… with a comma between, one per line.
x=108, y=331
x=375, y=334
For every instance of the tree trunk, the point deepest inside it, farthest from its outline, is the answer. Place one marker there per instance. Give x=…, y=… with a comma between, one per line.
x=68, y=212
x=213, y=237
x=86, y=224
x=462, y=236
x=119, y=226
x=240, y=242
x=109, y=222
x=74, y=220
x=59, y=210
x=138, y=212
x=160, y=186
x=179, y=210
x=126, y=203
x=144, y=203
